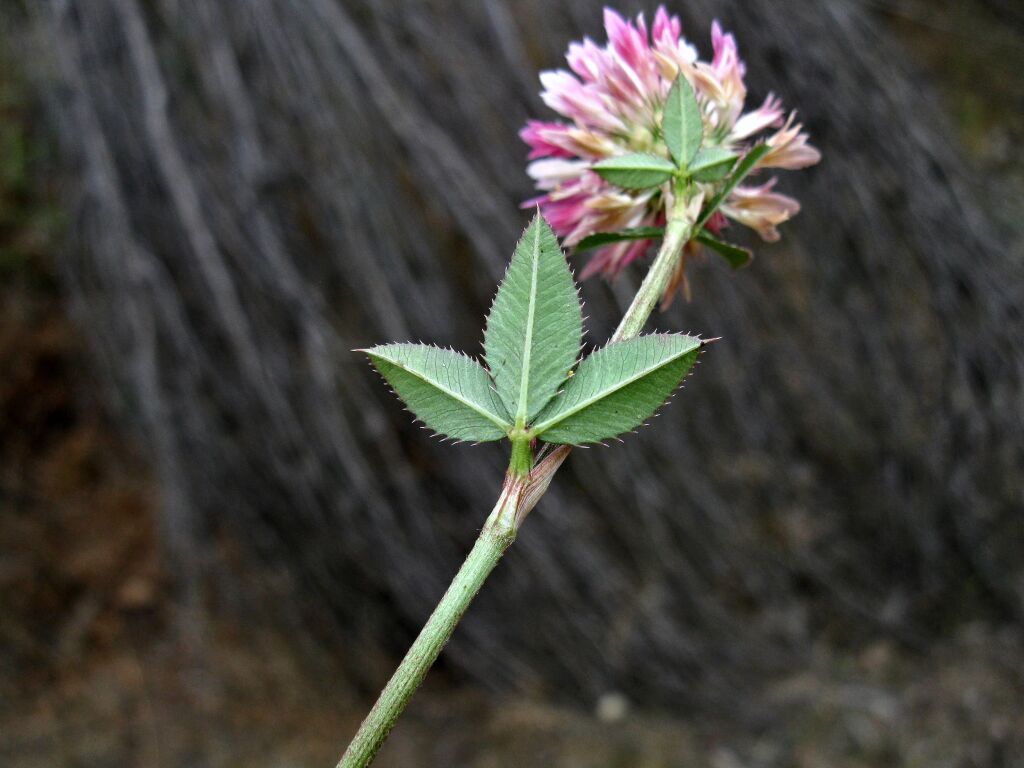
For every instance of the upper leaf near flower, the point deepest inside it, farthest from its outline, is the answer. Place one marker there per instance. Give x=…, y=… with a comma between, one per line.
x=742, y=170
x=637, y=170
x=599, y=239
x=712, y=164
x=682, y=125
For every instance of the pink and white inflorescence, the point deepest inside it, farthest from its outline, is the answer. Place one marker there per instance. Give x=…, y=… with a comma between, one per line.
x=612, y=101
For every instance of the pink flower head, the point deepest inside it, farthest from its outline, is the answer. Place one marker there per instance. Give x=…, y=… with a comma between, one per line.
x=611, y=100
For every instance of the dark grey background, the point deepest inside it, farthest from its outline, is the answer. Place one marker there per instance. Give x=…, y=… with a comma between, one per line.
x=255, y=190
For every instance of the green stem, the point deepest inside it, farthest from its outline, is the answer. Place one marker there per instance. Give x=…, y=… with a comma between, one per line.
x=497, y=535
x=522, y=489
x=521, y=461
x=678, y=231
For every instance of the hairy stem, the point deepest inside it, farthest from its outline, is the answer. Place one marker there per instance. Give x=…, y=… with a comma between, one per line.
x=498, y=533
x=677, y=233
x=522, y=490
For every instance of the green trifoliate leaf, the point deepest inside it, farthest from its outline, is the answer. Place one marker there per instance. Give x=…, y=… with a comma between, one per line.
x=734, y=254
x=617, y=388
x=712, y=164
x=743, y=168
x=535, y=327
x=599, y=239
x=681, y=124
x=635, y=171
x=447, y=391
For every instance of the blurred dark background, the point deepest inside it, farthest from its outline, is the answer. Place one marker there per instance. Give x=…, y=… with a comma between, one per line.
x=219, y=531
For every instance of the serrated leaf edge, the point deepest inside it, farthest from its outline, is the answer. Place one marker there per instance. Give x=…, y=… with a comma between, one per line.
x=492, y=417
x=497, y=291
x=440, y=436
x=657, y=411
x=540, y=428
